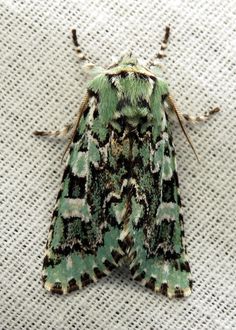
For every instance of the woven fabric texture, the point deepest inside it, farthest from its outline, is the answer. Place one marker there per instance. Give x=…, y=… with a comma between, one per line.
x=42, y=83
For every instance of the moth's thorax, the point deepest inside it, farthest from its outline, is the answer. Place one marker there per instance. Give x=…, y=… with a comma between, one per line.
x=128, y=95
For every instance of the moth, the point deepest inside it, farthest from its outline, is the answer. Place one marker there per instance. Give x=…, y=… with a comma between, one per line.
x=119, y=200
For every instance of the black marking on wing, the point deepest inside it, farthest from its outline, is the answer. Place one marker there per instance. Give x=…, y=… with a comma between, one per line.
x=72, y=285
x=151, y=283
x=57, y=288
x=85, y=279
x=98, y=273
x=76, y=186
x=140, y=276
x=168, y=190
x=164, y=288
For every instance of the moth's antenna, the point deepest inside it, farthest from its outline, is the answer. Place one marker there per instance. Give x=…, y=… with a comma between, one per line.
x=82, y=108
x=79, y=51
x=161, y=52
x=171, y=102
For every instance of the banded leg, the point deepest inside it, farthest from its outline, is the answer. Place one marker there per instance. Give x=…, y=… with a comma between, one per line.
x=57, y=133
x=201, y=118
x=188, y=118
x=71, y=127
x=161, y=52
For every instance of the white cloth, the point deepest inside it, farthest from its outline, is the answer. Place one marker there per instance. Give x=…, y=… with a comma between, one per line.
x=42, y=83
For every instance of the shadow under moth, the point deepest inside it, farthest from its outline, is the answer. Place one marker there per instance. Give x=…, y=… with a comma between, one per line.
x=119, y=200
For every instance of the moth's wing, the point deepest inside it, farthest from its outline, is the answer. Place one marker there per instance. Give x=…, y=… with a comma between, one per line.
x=82, y=245
x=158, y=256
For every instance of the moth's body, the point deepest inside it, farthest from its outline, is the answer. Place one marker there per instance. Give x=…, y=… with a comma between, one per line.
x=119, y=198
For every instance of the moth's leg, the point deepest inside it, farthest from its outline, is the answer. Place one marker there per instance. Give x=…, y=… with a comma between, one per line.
x=57, y=133
x=75, y=41
x=71, y=127
x=161, y=52
x=190, y=119
x=198, y=119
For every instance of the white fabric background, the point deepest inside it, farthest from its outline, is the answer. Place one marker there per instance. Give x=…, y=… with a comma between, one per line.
x=41, y=87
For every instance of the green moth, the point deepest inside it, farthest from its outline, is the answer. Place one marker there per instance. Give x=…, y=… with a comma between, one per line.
x=119, y=199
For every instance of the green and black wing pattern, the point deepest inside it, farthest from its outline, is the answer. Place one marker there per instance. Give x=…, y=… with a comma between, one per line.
x=83, y=243
x=158, y=255
x=119, y=198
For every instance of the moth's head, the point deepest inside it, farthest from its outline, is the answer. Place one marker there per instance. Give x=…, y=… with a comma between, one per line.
x=129, y=62
x=127, y=59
